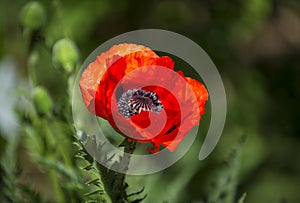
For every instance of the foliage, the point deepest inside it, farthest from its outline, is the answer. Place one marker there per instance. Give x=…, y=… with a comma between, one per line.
x=253, y=43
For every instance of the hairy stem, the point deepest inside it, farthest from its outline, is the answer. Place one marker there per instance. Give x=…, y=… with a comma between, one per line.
x=114, y=182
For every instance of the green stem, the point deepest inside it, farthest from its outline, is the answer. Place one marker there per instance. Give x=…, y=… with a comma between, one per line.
x=129, y=147
x=114, y=182
x=32, y=61
x=59, y=13
x=56, y=186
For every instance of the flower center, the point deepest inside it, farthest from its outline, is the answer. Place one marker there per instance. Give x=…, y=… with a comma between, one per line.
x=134, y=101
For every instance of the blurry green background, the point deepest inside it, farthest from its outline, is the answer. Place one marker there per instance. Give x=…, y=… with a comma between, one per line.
x=254, y=44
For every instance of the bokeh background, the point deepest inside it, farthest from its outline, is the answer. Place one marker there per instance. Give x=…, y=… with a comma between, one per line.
x=255, y=46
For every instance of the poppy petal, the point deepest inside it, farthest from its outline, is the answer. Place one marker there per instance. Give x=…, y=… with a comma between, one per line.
x=112, y=73
x=93, y=73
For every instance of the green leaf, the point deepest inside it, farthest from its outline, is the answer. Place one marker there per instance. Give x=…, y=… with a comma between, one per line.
x=242, y=198
x=9, y=166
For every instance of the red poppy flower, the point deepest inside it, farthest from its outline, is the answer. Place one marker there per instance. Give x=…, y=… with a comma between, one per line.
x=141, y=95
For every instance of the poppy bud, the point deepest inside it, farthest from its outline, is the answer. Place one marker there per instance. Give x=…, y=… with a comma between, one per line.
x=65, y=55
x=42, y=101
x=33, y=15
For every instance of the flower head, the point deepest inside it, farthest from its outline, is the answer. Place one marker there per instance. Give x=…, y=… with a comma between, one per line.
x=141, y=95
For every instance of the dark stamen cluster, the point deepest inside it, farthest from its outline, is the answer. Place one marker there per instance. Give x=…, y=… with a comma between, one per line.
x=134, y=101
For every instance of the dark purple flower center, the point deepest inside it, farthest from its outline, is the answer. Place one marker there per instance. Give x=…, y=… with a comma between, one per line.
x=134, y=101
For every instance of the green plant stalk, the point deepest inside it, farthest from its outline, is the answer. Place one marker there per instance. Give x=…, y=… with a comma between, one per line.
x=56, y=186
x=66, y=158
x=225, y=186
x=60, y=15
x=53, y=138
x=32, y=75
x=8, y=165
x=234, y=167
x=113, y=181
x=62, y=150
x=54, y=142
x=91, y=168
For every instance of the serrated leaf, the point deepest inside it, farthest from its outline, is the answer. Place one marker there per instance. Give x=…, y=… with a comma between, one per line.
x=139, y=200
x=92, y=201
x=95, y=180
x=88, y=167
x=94, y=192
x=136, y=193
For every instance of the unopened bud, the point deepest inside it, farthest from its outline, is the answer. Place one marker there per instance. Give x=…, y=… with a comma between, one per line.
x=33, y=15
x=42, y=101
x=65, y=55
